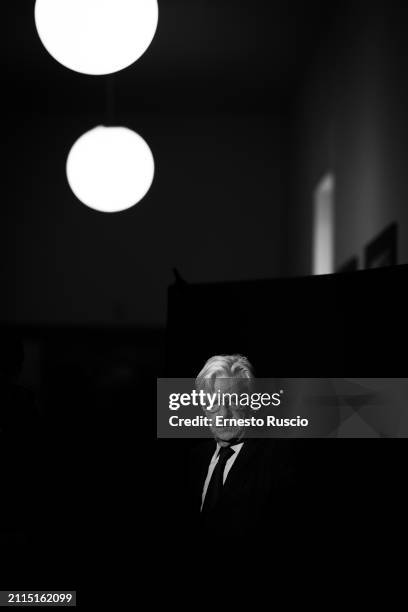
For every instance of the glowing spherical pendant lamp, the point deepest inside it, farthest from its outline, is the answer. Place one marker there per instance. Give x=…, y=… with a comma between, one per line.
x=96, y=36
x=110, y=168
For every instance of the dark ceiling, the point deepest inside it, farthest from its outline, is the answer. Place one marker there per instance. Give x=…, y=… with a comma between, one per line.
x=207, y=55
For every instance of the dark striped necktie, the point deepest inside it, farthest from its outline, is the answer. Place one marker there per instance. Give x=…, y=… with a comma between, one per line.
x=215, y=485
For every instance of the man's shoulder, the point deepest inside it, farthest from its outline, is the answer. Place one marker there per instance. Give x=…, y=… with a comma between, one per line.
x=276, y=456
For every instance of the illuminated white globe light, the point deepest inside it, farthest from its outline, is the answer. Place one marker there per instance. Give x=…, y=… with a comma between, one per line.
x=110, y=168
x=96, y=36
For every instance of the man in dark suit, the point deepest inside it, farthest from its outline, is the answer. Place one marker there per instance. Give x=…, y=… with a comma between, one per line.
x=237, y=484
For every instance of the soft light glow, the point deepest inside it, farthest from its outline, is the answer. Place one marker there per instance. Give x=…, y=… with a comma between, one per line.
x=96, y=36
x=110, y=168
x=323, y=231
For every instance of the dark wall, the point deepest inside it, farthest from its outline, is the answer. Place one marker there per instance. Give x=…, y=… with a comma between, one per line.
x=350, y=118
x=317, y=326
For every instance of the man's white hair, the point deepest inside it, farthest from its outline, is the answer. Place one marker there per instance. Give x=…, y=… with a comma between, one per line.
x=224, y=366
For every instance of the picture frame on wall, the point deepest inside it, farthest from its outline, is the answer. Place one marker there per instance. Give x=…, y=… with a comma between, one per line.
x=382, y=250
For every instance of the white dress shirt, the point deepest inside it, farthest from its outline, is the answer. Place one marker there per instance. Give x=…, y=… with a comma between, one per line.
x=214, y=460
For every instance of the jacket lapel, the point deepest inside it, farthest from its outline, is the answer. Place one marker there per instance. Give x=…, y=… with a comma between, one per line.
x=247, y=453
x=202, y=459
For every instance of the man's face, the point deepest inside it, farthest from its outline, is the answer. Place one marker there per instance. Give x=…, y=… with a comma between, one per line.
x=227, y=409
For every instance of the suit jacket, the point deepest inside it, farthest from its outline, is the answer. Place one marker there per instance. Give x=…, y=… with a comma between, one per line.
x=257, y=489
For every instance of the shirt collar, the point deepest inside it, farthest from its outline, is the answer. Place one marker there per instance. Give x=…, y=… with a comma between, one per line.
x=235, y=447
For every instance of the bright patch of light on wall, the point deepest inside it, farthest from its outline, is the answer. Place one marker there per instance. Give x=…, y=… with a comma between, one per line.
x=110, y=168
x=323, y=226
x=96, y=36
